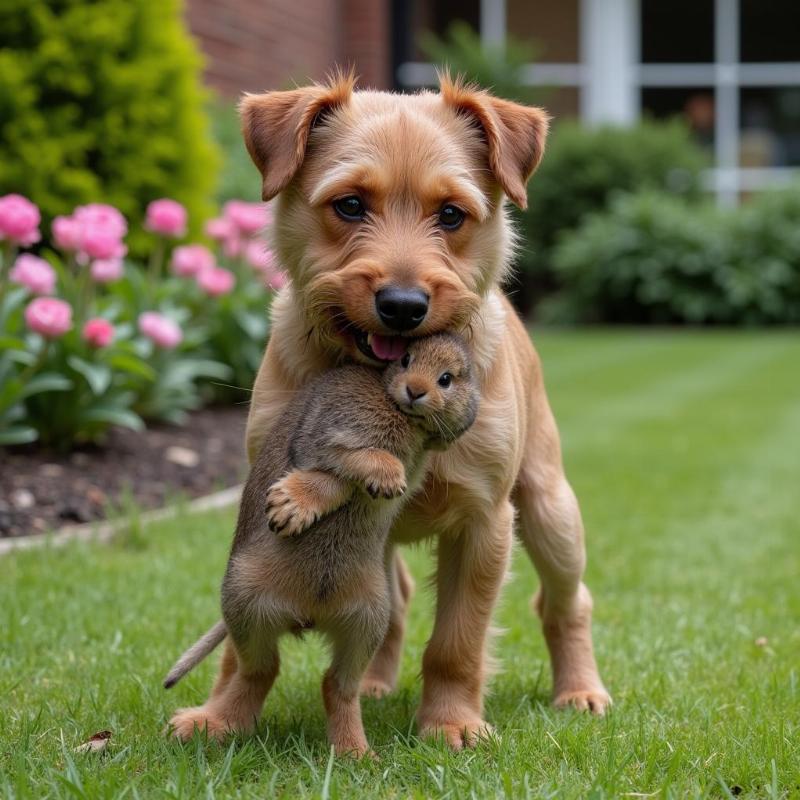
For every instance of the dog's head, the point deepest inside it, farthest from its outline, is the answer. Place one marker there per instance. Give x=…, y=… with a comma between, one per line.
x=390, y=219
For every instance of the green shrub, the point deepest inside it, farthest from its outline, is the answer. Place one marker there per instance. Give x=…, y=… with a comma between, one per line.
x=584, y=168
x=101, y=100
x=653, y=258
x=766, y=241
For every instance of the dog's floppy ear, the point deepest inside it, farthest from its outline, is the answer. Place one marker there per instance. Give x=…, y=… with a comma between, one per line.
x=514, y=133
x=276, y=127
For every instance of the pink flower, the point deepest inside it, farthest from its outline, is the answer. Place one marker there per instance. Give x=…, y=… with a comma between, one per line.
x=19, y=220
x=277, y=281
x=66, y=233
x=224, y=231
x=220, y=229
x=103, y=215
x=233, y=246
x=216, y=281
x=160, y=329
x=192, y=259
x=167, y=218
x=49, y=316
x=98, y=332
x=101, y=229
x=247, y=218
x=260, y=257
x=106, y=270
x=35, y=274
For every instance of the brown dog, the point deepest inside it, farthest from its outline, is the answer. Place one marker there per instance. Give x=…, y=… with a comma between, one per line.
x=391, y=221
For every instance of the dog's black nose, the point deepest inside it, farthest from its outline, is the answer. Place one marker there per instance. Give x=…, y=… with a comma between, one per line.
x=401, y=309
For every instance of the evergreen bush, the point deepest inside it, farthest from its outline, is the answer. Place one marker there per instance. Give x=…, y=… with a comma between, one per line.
x=102, y=100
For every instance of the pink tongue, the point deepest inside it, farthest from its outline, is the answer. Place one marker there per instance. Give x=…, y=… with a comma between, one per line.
x=388, y=348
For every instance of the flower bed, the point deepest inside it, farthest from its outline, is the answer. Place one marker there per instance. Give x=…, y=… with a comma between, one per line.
x=89, y=339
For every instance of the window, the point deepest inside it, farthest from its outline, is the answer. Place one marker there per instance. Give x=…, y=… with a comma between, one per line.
x=677, y=31
x=730, y=68
x=769, y=31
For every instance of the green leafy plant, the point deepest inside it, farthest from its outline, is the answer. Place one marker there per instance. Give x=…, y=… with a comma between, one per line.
x=103, y=99
x=653, y=258
x=582, y=171
x=89, y=342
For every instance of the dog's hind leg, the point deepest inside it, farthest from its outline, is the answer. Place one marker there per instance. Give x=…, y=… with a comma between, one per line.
x=381, y=676
x=551, y=530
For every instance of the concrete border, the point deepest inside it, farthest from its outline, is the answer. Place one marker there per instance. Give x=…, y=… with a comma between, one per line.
x=104, y=531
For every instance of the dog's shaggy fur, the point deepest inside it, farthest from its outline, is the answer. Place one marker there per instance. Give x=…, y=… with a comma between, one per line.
x=406, y=156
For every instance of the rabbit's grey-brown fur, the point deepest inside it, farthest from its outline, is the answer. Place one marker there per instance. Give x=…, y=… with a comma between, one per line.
x=349, y=447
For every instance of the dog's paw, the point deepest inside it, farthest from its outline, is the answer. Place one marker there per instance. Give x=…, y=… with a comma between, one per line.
x=186, y=721
x=458, y=735
x=596, y=701
x=353, y=747
x=286, y=516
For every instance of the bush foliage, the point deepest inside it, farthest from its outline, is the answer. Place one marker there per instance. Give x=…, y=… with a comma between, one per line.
x=652, y=258
x=583, y=169
x=101, y=99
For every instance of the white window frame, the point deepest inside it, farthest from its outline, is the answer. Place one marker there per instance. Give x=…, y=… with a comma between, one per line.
x=610, y=78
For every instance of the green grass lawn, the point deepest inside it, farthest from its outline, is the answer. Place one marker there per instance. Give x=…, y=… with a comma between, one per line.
x=684, y=449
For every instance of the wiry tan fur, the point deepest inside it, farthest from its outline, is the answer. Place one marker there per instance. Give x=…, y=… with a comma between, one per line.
x=406, y=155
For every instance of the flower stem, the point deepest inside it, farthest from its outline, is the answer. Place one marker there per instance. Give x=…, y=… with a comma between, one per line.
x=6, y=257
x=156, y=264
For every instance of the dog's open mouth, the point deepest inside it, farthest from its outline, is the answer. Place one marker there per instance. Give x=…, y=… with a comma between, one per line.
x=377, y=346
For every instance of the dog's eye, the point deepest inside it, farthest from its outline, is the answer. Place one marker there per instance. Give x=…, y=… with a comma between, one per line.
x=350, y=208
x=405, y=360
x=451, y=217
x=445, y=379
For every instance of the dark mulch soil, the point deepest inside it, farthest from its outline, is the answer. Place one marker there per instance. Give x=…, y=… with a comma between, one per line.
x=42, y=491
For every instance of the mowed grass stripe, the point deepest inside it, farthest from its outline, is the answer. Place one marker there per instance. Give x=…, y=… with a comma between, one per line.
x=599, y=404
x=565, y=360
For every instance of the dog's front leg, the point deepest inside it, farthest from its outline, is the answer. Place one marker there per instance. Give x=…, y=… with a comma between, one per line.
x=470, y=571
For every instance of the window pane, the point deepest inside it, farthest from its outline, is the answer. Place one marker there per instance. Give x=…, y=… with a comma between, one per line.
x=770, y=31
x=552, y=25
x=694, y=105
x=677, y=31
x=770, y=127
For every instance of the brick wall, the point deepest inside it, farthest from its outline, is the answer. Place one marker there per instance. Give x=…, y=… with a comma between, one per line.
x=254, y=45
